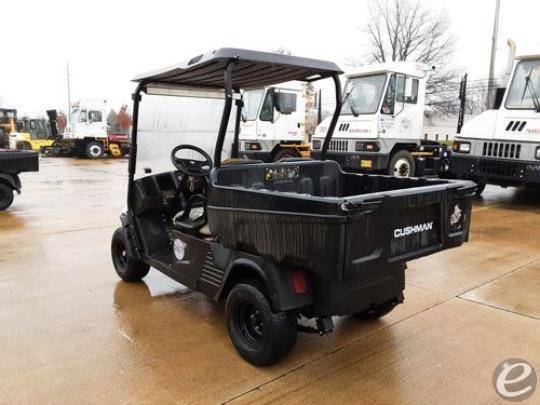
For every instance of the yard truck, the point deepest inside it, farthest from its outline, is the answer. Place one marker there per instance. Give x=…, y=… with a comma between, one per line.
x=502, y=146
x=87, y=133
x=273, y=123
x=380, y=126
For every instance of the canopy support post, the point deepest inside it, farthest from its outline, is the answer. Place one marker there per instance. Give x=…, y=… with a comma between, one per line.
x=239, y=105
x=335, y=117
x=225, y=116
x=133, y=150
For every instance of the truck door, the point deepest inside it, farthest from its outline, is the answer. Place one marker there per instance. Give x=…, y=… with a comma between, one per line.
x=96, y=124
x=281, y=116
x=410, y=120
x=289, y=116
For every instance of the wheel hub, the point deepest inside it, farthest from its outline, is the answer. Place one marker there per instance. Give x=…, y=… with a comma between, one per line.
x=402, y=168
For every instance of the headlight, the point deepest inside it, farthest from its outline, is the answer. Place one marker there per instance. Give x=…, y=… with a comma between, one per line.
x=252, y=146
x=316, y=144
x=461, y=147
x=537, y=154
x=366, y=146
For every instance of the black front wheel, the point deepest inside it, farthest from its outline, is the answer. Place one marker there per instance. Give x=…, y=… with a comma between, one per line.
x=260, y=335
x=6, y=196
x=128, y=268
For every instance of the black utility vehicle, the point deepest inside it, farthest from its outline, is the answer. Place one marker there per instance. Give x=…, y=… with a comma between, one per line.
x=13, y=162
x=288, y=244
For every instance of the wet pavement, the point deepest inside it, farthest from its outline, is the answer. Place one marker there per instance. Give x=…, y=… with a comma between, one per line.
x=71, y=332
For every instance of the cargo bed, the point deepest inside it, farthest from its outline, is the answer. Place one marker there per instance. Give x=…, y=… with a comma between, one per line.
x=313, y=215
x=17, y=161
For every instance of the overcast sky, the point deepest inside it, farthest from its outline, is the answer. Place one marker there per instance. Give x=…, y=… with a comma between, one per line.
x=108, y=42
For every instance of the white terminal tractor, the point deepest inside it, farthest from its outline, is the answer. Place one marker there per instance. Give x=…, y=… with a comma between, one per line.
x=502, y=146
x=380, y=128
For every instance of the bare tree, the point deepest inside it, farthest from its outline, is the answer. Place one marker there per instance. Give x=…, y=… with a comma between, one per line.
x=61, y=122
x=406, y=30
x=124, y=119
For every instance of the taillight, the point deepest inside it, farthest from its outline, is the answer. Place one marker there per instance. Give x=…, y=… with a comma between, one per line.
x=299, y=283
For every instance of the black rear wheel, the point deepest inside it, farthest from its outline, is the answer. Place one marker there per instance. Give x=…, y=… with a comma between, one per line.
x=128, y=268
x=6, y=196
x=260, y=335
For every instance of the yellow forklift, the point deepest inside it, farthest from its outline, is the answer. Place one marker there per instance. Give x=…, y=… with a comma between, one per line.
x=32, y=134
x=8, y=122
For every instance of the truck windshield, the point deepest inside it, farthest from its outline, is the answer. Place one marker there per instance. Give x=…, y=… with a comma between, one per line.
x=525, y=88
x=365, y=94
x=252, y=101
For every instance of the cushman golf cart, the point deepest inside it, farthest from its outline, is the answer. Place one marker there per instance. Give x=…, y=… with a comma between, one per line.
x=12, y=163
x=287, y=245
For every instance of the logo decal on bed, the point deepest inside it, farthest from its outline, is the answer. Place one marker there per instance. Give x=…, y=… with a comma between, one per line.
x=410, y=230
x=179, y=249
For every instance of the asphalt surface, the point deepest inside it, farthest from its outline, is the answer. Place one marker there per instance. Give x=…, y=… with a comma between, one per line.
x=72, y=332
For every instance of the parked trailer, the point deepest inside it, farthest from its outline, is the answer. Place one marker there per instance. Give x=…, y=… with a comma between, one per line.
x=380, y=126
x=502, y=146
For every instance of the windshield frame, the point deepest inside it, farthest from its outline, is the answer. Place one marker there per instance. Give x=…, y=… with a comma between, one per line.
x=381, y=95
x=524, y=84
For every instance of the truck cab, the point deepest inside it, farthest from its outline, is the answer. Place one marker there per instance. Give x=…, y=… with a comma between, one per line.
x=88, y=119
x=273, y=123
x=502, y=146
x=380, y=126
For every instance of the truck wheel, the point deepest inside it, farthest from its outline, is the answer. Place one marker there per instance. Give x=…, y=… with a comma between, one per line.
x=285, y=154
x=260, y=335
x=95, y=150
x=6, y=196
x=402, y=164
x=128, y=268
x=378, y=311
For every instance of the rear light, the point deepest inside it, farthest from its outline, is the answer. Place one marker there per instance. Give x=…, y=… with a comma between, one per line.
x=299, y=283
x=252, y=146
x=366, y=147
x=316, y=144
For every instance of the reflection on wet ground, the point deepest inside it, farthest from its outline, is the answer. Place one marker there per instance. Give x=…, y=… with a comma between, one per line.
x=70, y=331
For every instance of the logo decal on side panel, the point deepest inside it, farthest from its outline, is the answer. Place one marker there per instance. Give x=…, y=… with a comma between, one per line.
x=410, y=230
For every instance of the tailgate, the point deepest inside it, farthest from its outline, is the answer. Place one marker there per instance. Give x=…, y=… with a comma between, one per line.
x=401, y=225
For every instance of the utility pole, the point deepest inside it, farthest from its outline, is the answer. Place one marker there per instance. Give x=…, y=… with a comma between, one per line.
x=68, y=95
x=491, y=81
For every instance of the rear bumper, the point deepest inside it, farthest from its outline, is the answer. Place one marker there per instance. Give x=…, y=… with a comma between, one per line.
x=504, y=172
x=350, y=296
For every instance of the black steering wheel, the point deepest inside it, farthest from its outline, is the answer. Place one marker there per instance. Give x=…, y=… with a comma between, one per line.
x=192, y=167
